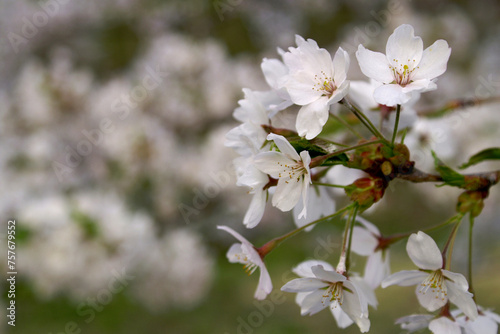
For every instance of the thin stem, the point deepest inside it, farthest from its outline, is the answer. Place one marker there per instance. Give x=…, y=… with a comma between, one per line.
x=405, y=131
x=348, y=258
x=396, y=124
x=319, y=160
x=397, y=237
x=270, y=245
x=448, y=248
x=363, y=119
x=341, y=267
x=348, y=126
x=334, y=142
x=471, y=225
x=329, y=185
x=456, y=104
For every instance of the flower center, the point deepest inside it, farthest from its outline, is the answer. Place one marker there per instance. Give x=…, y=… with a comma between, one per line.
x=334, y=294
x=249, y=266
x=434, y=284
x=324, y=84
x=402, y=73
x=292, y=172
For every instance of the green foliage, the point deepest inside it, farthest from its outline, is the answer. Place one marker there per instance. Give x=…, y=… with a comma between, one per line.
x=318, y=147
x=450, y=177
x=487, y=154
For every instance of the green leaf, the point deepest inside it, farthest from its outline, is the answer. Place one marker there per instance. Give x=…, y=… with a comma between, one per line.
x=315, y=147
x=487, y=154
x=450, y=177
x=336, y=160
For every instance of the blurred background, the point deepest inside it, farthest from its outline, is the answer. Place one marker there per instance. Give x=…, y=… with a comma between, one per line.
x=112, y=124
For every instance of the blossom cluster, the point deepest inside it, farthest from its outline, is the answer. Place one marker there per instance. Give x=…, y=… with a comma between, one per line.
x=287, y=151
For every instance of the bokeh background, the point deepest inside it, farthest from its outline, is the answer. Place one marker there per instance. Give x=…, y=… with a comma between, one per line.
x=112, y=124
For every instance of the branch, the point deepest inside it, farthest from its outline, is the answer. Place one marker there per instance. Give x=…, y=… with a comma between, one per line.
x=418, y=176
x=457, y=104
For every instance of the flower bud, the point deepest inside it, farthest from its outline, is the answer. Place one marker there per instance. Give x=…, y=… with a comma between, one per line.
x=366, y=191
x=471, y=202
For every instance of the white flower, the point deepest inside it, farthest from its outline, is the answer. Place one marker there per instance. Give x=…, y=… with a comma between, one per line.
x=486, y=322
x=406, y=67
x=304, y=270
x=251, y=177
x=415, y=322
x=365, y=242
x=444, y=325
x=327, y=288
x=291, y=170
x=319, y=204
x=361, y=93
x=315, y=82
x=246, y=254
x=274, y=71
x=440, y=325
x=247, y=138
x=435, y=286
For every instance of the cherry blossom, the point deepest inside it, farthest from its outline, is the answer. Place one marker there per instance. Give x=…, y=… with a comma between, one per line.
x=327, y=288
x=365, y=242
x=291, y=170
x=315, y=82
x=435, y=286
x=406, y=68
x=245, y=253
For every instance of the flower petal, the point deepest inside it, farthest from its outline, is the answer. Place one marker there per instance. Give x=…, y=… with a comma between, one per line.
x=492, y=315
x=444, y=325
x=319, y=204
x=377, y=268
x=256, y=209
x=414, y=322
x=342, y=319
x=327, y=275
x=235, y=234
x=419, y=86
x=272, y=163
x=265, y=285
x=312, y=117
x=363, y=241
x=355, y=307
x=304, y=285
x=341, y=63
x=458, y=279
x=434, y=61
x=304, y=268
x=482, y=325
x=314, y=302
x=284, y=146
x=369, y=226
x=234, y=254
x=424, y=252
x=365, y=289
x=374, y=65
x=391, y=95
x=403, y=47
x=404, y=278
x=462, y=299
x=299, y=298
x=252, y=177
x=431, y=300
x=339, y=93
x=287, y=194
x=299, y=87
x=273, y=70
x=361, y=93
